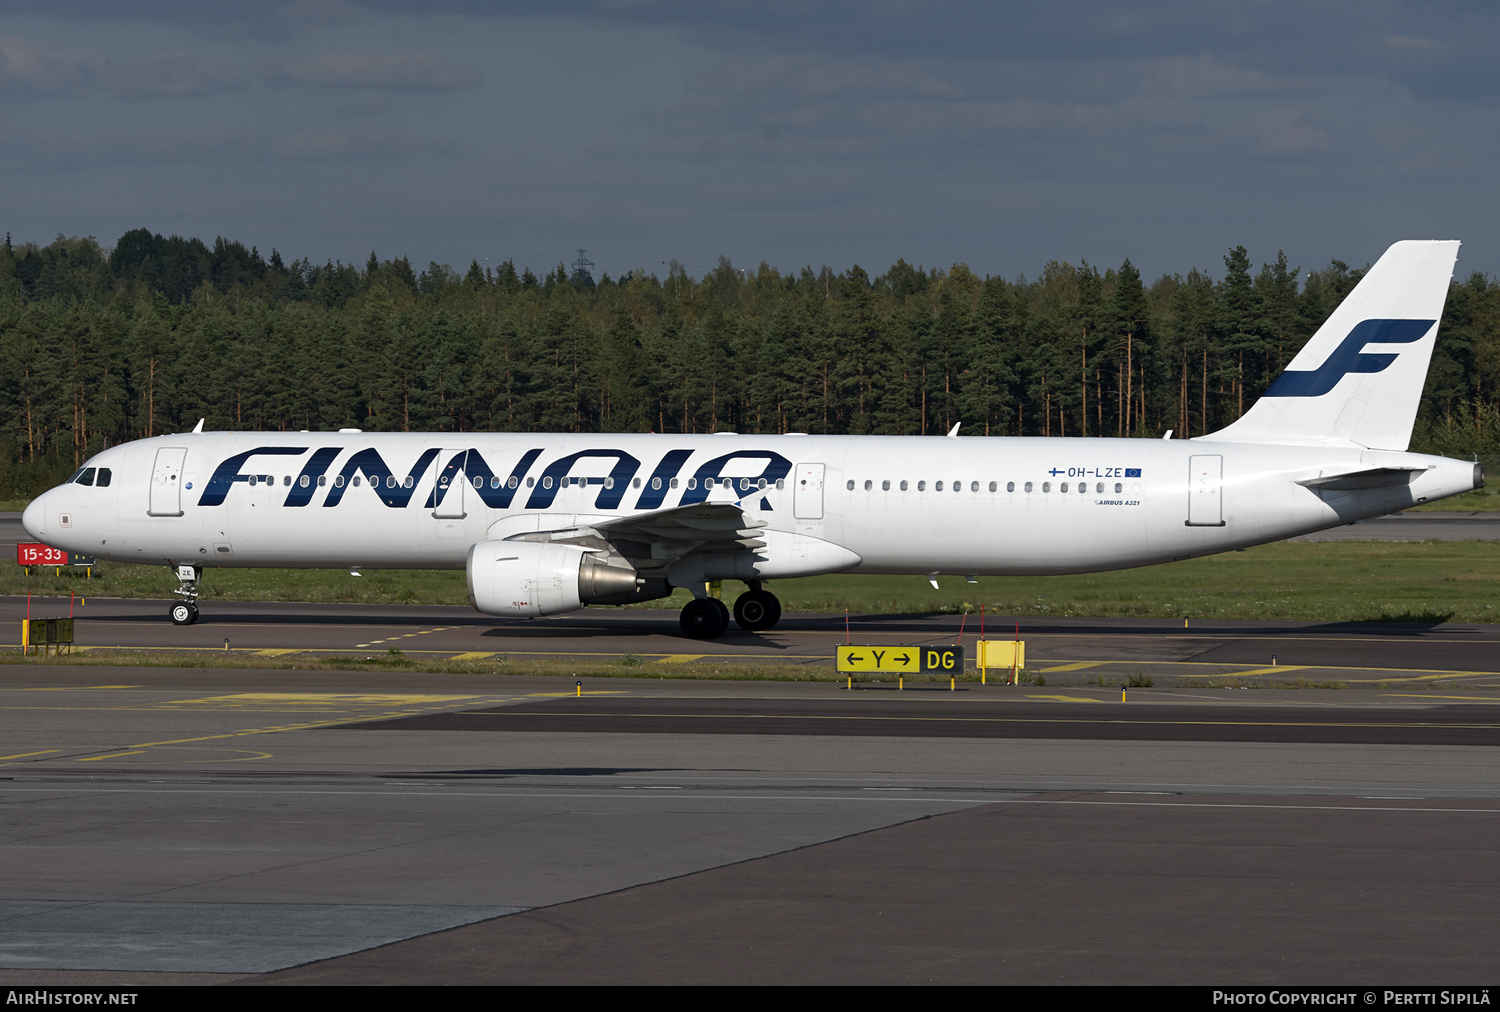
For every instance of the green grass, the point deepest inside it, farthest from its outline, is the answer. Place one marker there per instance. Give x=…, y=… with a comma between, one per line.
x=1425, y=582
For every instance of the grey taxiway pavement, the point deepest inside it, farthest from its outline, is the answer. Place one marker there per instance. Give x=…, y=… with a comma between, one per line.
x=1065, y=650
x=295, y=826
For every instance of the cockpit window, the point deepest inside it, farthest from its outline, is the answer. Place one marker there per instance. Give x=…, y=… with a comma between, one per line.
x=104, y=476
x=74, y=477
x=85, y=477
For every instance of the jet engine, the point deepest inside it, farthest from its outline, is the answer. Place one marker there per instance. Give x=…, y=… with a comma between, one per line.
x=530, y=578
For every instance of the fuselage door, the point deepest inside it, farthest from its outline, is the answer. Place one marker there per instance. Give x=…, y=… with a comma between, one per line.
x=1205, y=490
x=450, y=480
x=166, y=482
x=807, y=493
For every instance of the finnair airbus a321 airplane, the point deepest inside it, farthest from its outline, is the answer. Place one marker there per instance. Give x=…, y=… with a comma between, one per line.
x=546, y=524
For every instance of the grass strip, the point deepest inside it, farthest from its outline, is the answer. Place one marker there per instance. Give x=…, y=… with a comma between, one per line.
x=1424, y=582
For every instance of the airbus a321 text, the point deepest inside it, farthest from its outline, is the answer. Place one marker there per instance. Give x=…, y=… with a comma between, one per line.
x=546, y=524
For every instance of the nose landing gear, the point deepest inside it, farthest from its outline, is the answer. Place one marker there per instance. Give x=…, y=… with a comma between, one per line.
x=185, y=611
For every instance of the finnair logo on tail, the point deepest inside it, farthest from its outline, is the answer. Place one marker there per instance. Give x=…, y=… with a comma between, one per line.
x=1350, y=356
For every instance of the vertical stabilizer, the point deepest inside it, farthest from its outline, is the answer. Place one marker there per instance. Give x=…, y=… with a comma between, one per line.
x=1360, y=378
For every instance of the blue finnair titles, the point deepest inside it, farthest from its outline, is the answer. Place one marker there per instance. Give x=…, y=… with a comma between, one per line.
x=544, y=524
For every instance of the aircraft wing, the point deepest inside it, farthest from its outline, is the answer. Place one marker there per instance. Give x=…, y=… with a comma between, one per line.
x=655, y=540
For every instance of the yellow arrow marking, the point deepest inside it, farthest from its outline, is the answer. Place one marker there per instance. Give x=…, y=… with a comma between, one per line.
x=473, y=655
x=681, y=658
x=1075, y=666
x=1065, y=699
x=23, y=755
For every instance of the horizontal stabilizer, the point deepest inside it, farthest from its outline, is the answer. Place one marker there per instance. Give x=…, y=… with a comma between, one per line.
x=1375, y=477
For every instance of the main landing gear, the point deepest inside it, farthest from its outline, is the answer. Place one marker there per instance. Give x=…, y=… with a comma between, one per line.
x=185, y=611
x=706, y=618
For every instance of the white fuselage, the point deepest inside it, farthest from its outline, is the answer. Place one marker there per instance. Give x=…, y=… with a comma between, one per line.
x=840, y=505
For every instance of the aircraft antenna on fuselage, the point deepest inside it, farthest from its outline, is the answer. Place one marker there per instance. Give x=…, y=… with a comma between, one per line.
x=199, y=426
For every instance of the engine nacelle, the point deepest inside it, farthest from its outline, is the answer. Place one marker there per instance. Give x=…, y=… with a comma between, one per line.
x=531, y=578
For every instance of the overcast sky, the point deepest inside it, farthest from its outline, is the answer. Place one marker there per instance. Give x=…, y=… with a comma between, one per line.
x=797, y=133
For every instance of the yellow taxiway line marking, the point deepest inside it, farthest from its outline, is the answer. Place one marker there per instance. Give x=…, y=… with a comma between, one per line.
x=275, y=652
x=473, y=655
x=1075, y=666
x=112, y=755
x=680, y=658
x=75, y=688
x=1272, y=670
x=1065, y=699
x=23, y=755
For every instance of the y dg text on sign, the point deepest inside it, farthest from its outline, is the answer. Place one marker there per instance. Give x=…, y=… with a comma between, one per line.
x=901, y=660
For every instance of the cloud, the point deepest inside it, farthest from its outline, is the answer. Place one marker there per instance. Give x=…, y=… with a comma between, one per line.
x=387, y=71
x=174, y=148
x=35, y=68
x=170, y=75
x=31, y=67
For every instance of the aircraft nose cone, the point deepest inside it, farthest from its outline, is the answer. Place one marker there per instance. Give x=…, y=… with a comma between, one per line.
x=34, y=519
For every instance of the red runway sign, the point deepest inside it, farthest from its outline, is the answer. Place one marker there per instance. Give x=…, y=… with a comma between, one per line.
x=34, y=554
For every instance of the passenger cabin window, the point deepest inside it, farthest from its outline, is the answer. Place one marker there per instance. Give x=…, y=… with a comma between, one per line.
x=1063, y=487
x=781, y=483
x=922, y=486
x=974, y=486
x=993, y=486
x=849, y=484
x=1083, y=487
x=1046, y=486
x=86, y=476
x=104, y=477
x=356, y=481
x=304, y=481
x=1010, y=486
x=903, y=486
x=869, y=484
x=937, y=486
x=885, y=486
x=674, y=482
x=1119, y=488
x=322, y=480
x=1028, y=486
x=655, y=483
